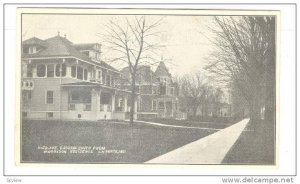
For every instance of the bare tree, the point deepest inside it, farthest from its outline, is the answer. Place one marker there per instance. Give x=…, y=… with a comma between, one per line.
x=133, y=40
x=194, y=89
x=245, y=57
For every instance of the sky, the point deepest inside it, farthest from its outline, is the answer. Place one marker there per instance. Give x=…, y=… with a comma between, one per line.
x=185, y=37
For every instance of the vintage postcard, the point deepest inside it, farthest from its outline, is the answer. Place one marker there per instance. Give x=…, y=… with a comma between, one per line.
x=147, y=86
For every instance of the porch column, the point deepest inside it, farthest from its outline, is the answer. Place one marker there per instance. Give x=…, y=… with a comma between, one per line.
x=125, y=103
x=135, y=105
x=34, y=71
x=165, y=108
x=113, y=101
x=95, y=100
x=172, y=106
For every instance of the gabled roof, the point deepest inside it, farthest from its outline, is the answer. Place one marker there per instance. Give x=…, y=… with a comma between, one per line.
x=59, y=46
x=162, y=70
x=144, y=74
x=35, y=41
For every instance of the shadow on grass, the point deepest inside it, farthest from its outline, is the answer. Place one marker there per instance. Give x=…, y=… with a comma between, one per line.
x=255, y=146
x=137, y=142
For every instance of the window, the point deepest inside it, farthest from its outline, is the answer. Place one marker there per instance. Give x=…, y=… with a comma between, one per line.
x=109, y=108
x=139, y=105
x=99, y=75
x=75, y=97
x=85, y=74
x=171, y=91
x=87, y=107
x=24, y=114
x=162, y=89
x=41, y=70
x=119, y=104
x=101, y=107
x=57, y=70
x=105, y=98
x=49, y=99
x=25, y=50
x=50, y=70
x=154, y=89
x=161, y=105
x=103, y=78
x=73, y=71
x=26, y=96
x=153, y=104
x=63, y=70
x=112, y=81
x=60, y=70
x=50, y=114
x=32, y=50
x=79, y=73
x=29, y=70
x=71, y=107
x=80, y=96
x=93, y=73
x=108, y=80
x=98, y=57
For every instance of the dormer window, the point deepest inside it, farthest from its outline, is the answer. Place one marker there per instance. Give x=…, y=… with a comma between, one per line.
x=32, y=50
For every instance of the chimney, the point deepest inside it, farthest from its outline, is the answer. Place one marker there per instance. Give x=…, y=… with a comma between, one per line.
x=65, y=35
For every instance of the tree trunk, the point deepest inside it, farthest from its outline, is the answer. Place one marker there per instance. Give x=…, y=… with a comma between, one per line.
x=255, y=109
x=195, y=113
x=270, y=105
x=132, y=99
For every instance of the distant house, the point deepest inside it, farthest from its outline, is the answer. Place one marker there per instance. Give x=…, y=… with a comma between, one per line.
x=158, y=94
x=62, y=80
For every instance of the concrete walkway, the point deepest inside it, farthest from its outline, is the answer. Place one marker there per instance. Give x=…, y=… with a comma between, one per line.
x=208, y=150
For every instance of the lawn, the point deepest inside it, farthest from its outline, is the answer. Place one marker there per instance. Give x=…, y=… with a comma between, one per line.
x=101, y=142
x=255, y=146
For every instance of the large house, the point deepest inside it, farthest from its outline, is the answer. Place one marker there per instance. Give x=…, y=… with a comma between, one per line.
x=62, y=80
x=158, y=94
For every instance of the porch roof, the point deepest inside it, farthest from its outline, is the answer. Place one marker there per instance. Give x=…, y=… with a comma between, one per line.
x=80, y=84
x=91, y=84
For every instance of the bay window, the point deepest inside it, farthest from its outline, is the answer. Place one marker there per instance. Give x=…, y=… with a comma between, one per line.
x=73, y=71
x=60, y=70
x=50, y=70
x=41, y=70
x=79, y=73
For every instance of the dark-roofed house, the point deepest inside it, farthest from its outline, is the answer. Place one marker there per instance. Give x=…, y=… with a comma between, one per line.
x=158, y=93
x=62, y=80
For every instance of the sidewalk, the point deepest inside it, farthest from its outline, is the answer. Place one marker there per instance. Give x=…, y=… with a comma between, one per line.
x=208, y=150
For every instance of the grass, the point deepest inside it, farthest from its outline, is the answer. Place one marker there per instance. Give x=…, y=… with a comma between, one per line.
x=141, y=142
x=255, y=146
